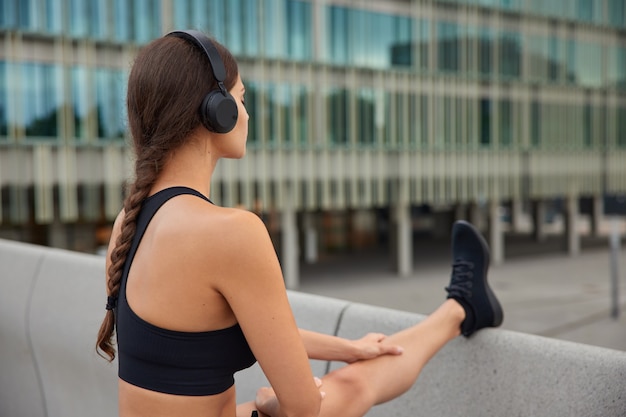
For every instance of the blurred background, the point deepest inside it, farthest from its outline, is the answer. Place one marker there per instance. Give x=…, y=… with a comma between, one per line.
x=374, y=124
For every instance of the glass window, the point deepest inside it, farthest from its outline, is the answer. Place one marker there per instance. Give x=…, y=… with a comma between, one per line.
x=510, y=54
x=80, y=102
x=616, y=72
x=446, y=122
x=39, y=88
x=485, y=51
x=233, y=26
x=485, y=121
x=110, y=109
x=80, y=17
x=398, y=118
x=535, y=123
x=299, y=30
x=585, y=10
x=506, y=123
x=537, y=56
x=600, y=120
x=572, y=73
x=338, y=116
x=301, y=116
x=448, y=46
x=281, y=106
x=7, y=14
x=4, y=99
x=351, y=40
x=589, y=63
x=182, y=14
x=209, y=16
x=621, y=126
x=616, y=13
x=250, y=27
x=337, y=44
x=273, y=38
x=122, y=22
x=147, y=20
x=423, y=42
x=29, y=15
x=587, y=126
x=556, y=58
x=365, y=116
x=418, y=119
x=413, y=120
x=203, y=15
x=23, y=14
x=511, y=4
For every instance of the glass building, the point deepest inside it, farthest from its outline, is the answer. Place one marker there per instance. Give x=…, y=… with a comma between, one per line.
x=358, y=107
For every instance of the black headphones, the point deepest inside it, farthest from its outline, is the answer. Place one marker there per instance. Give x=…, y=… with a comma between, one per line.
x=218, y=111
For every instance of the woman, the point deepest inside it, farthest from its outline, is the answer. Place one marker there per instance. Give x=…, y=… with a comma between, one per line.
x=195, y=291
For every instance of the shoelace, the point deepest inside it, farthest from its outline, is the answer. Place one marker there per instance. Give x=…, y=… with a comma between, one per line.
x=461, y=283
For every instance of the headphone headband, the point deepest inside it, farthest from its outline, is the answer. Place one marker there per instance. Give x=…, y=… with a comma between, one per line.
x=203, y=42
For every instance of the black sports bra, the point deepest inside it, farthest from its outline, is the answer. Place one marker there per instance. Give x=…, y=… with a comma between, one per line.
x=169, y=361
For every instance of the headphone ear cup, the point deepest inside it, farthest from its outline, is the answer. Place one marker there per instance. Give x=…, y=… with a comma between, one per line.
x=219, y=112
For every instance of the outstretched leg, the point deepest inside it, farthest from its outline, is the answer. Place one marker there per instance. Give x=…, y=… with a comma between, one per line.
x=355, y=388
x=471, y=305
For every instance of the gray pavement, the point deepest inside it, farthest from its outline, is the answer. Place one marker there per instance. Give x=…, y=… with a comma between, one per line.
x=543, y=290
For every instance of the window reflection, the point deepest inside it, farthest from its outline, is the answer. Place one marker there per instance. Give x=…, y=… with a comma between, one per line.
x=448, y=51
x=621, y=126
x=337, y=105
x=616, y=72
x=616, y=10
x=368, y=39
x=366, y=115
x=301, y=115
x=510, y=54
x=109, y=106
x=506, y=123
x=39, y=90
x=122, y=21
x=4, y=117
x=535, y=123
x=485, y=121
x=80, y=102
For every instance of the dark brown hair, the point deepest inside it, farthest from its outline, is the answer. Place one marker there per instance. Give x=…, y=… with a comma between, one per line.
x=167, y=83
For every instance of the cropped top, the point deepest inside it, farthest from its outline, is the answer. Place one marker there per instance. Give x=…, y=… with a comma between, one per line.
x=169, y=361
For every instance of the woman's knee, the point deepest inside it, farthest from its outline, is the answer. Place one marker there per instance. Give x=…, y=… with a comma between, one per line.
x=352, y=383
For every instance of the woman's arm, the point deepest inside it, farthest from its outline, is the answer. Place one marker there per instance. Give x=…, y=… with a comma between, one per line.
x=332, y=348
x=250, y=279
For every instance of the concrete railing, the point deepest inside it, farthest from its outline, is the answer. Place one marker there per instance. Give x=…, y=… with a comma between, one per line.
x=52, y=303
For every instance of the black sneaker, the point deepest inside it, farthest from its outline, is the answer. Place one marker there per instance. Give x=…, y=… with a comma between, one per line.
x=468, y=284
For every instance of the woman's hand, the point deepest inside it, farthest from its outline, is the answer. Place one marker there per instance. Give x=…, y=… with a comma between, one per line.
x=371, y=346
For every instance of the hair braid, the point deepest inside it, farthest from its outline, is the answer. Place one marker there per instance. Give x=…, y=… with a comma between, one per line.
x=147, y=170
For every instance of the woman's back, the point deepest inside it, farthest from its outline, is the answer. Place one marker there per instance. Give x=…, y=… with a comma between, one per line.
x=176, y=333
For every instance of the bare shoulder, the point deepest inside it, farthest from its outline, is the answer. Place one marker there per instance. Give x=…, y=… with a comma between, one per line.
x=218, y=230
x=236, y=230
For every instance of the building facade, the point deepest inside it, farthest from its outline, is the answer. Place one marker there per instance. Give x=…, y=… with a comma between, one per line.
x=358, y=107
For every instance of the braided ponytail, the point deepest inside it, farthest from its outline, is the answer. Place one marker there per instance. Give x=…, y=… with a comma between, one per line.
x=132, y=205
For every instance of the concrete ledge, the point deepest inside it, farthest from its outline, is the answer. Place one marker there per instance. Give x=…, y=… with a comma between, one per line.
x=501, y=373
x=52, y=303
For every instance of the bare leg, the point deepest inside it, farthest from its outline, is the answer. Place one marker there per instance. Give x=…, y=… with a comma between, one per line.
x=355, y=388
